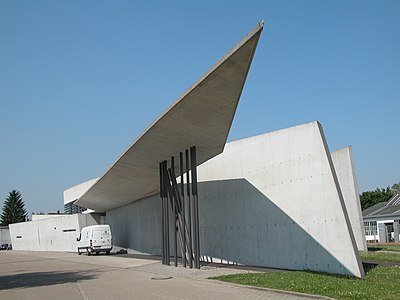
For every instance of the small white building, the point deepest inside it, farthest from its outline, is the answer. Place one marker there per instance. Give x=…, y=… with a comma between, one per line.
x=381, y=221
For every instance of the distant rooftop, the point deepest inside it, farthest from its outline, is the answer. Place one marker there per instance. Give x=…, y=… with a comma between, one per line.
x=389, y=209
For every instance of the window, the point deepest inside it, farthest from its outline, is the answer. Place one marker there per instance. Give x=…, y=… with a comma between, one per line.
x=370, y=228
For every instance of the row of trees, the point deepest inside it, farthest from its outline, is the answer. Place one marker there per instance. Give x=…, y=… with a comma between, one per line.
x=371, y=198
x=13, y=209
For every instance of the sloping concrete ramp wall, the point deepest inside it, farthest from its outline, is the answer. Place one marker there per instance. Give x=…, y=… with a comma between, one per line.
x=272, y=200
x=345, y=170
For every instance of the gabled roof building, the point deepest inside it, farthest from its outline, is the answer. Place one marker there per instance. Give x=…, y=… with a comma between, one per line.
x=381, y=221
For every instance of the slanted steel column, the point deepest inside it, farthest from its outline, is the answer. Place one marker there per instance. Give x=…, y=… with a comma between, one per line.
x=190, y=244
x=167, y=195
x=174, y=213
x=184, y=250
x=164, y=212
x=173, y=194
x=195, y=215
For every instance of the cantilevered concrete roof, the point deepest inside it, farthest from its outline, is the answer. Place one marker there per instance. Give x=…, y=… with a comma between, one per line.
x=201, y=117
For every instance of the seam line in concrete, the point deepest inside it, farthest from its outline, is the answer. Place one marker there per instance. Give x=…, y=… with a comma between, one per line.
x=82, y=291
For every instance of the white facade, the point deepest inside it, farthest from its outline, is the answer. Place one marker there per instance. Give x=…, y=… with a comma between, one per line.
x=50, y=234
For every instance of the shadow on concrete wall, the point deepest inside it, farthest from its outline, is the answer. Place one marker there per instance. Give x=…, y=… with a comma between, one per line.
x=36, y=279
x=240, y=224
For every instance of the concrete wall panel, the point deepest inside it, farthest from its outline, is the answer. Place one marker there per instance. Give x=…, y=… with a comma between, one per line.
x=345, y=170
x=137, y=227
x=291, y=200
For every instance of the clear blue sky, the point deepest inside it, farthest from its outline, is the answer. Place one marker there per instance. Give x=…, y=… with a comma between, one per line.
x=80, y=80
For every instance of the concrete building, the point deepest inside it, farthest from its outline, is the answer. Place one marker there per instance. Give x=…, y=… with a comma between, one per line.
x=273, y=200
x=382, y=220
x=270, y=200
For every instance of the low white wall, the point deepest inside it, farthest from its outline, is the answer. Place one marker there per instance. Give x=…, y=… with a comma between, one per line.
x=345, y=170
x=58, y=233
x=41, y=217
x=271, y=200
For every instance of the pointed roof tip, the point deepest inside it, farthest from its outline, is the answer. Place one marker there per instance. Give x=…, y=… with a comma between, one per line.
x=261, y=23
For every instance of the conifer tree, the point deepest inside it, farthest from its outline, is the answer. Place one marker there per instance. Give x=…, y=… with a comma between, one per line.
x=13, y=209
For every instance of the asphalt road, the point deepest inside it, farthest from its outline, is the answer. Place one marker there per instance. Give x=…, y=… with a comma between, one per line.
x=60, y=275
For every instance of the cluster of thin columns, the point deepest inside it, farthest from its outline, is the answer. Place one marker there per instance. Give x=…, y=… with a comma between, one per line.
x=183, y=200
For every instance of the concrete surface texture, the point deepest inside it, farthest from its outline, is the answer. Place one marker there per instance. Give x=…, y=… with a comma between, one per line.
x=345, y=171
x=269, y=200
x=201, y=117
x=60, y=275
x=50, y=234
x=273, y=200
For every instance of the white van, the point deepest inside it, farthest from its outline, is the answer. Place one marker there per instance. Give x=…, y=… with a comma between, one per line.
x=95, y=239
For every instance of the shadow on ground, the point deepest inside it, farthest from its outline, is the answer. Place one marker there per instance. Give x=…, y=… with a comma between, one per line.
x=36, y=279
x=374, y=249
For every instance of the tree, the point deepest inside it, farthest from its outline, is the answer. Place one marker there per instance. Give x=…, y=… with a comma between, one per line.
x=13, y=209
x=371, y=198
x=396, y=188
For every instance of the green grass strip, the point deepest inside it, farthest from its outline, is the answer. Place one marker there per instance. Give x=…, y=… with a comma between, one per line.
x=379, y=255
x=384, y=247
x=379, y=283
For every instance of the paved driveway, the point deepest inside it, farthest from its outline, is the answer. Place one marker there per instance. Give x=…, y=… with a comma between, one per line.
x=56, y=275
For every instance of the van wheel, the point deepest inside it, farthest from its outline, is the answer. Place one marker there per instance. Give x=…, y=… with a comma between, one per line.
x=79, y=252
x=97, y=252
x=108, y=252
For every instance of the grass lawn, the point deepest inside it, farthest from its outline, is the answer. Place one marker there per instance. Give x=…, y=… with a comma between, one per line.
x=385, y=252
x=379, y=283
x=384, y=256
x=384, y=247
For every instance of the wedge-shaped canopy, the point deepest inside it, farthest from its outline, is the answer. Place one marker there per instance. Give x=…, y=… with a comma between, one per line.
x=201, y=117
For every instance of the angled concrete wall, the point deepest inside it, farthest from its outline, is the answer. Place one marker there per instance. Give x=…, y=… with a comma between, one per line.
x=345, y=170
x=75, y=192
x=50, y=234
x=274, y=200
x=271, y=200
